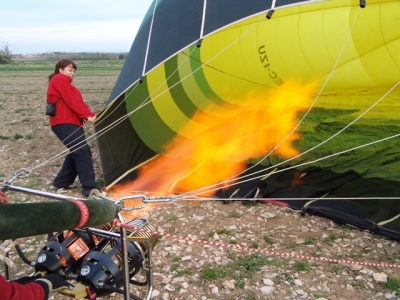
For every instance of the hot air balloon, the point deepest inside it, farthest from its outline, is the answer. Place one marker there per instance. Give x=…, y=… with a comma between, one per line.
x=295, y=102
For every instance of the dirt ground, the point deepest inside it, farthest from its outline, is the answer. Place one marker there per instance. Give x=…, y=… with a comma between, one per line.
x=194, y=269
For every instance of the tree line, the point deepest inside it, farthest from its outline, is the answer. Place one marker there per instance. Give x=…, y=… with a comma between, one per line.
x=7, y=56
x=5, y=53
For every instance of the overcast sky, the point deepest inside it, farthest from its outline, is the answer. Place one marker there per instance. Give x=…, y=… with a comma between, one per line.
x=39, y=26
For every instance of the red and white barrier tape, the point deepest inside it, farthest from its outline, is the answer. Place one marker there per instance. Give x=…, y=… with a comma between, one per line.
x=118, y=223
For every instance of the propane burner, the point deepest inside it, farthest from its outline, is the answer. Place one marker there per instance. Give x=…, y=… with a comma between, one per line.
x=94, y=257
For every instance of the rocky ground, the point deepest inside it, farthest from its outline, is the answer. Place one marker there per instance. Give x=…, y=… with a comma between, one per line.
x=196, y=269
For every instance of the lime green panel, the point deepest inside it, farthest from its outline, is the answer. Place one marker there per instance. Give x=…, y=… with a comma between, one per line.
x=175, y=88
x=154, y=134
x=222, y=52
x=165, y=105
x=195, y=91
x=199, y=66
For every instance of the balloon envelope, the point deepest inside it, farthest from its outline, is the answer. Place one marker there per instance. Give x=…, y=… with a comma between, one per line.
x=212, y=56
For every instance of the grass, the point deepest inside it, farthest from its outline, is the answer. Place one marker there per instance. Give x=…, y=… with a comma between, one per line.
x=210, y=272
x=252, y=262
x=171, y=230
x=178, y=270
x=274, y=262
x=234, y=214
x=343, y=227
x=393, y=284
x=241, y=267
x=330, y=239
x=17, y=136
x=250, y=296
x=182, y=272
x=366, y=250
x=268, y=239
x=84, y=67
x=250, y=203
x=20, y=110
x=385, y=256
x=100, y=181
x=171, y=218
x=310, y=241
x=337, y=269
x=34, y=184
x=291, y=245
x=176, y=259
x=254, y=245
x=302, y=266
x=359, y=284
x=224, y=231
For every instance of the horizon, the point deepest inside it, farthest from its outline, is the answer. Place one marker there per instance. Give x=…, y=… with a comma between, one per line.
x=81, y=27
x=71, y=52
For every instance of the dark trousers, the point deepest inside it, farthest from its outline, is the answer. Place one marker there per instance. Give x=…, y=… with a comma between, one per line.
x=78, y=162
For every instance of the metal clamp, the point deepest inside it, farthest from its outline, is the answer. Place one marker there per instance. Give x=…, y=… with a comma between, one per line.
x=120, y=203
x=21, y=173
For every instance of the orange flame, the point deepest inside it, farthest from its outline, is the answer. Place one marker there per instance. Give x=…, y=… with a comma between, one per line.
x=260, y=123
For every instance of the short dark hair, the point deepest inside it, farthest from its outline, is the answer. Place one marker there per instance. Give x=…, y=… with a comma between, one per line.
x=61, y=65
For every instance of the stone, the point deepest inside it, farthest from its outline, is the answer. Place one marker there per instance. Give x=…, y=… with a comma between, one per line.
x=268, y=282
x=155, y=293
x=298, y=282
x=185, y=285
x=267, y=290
x=380, y=277
x=186, y=258
x=390, y=295
x=229, y=284
x=169, y=288
x=355, y=267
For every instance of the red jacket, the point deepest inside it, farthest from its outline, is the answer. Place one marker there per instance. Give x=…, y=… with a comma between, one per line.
x=16, y=291
x=70, y=109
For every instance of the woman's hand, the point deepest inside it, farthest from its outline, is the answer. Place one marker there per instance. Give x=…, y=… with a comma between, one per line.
x=91, y=119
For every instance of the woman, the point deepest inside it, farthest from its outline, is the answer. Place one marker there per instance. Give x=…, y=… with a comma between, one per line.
x=71, y=112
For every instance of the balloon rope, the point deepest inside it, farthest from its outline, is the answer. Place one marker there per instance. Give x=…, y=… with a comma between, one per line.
x=203, y=18
x=149, y=38
x=274, y=199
